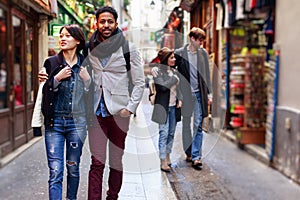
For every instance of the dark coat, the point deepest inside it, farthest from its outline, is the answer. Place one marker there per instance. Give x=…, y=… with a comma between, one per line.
x=163, y=83
x=52, y=65
x=204, y=82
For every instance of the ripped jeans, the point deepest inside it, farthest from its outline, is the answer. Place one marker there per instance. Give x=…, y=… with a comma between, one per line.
x=73, y=132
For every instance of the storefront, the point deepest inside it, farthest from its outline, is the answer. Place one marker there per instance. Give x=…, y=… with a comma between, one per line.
x=239, y=39
x=20, y=23
x=247, y=34
x=68, y=12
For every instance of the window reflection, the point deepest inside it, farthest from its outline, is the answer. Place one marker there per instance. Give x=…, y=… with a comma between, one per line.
x=3, y=60
x=17, y=62
x=28, y=34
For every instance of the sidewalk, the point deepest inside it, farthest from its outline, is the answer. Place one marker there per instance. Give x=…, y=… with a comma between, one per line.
x=228, y=172
x=26, y=176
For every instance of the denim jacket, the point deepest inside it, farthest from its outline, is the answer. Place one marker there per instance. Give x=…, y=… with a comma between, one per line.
x=68, y=99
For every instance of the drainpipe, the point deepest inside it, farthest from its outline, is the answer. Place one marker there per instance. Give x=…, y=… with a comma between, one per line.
x=277, y=53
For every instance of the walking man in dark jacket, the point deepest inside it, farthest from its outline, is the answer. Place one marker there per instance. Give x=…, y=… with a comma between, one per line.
x=192, y=63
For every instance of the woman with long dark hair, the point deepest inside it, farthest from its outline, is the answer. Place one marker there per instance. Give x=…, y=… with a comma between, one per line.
x=167, y=103
x=64, y=110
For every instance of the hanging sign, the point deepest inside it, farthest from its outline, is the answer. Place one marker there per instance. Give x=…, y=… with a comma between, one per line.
x=188, y=5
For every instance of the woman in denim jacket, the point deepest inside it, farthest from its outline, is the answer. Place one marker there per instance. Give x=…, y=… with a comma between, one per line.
x=64, y=110
x=167, y=103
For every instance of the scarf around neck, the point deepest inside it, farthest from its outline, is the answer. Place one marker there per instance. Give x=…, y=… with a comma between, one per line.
x=105, y=48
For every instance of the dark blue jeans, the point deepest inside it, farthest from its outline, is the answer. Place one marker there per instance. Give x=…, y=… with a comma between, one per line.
x=197, y=129
x=166, y=133
x=72, y=132
x=192, y=142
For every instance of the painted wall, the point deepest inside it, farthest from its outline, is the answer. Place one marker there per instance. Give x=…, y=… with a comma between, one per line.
x=287, y=32
x=287, y=145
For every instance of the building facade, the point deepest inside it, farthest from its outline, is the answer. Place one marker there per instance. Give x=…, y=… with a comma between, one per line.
x=255, y=50
x=23, y=27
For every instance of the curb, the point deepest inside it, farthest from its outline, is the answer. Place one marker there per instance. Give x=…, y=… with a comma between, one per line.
x=256, y=151
x=11, y=156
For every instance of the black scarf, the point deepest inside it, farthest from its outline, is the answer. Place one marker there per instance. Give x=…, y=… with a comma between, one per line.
x=105, y=48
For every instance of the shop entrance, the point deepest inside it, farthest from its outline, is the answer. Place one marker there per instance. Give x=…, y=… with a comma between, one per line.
x=16, y=83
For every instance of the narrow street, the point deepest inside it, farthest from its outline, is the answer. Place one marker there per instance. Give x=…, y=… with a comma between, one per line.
x=228, y=172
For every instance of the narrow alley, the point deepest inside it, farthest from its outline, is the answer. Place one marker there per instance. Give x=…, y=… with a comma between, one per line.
x=228, y=172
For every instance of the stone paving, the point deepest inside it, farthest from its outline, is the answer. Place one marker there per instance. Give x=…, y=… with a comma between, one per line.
x=228, y=172
x=27, y=175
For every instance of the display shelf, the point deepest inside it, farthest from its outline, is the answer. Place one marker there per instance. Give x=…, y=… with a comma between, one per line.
x=248, y=98
x=247, y=95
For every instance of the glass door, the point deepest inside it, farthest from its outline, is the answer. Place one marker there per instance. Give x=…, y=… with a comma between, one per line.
x=3, y=60
x=6, y=141
x=19, y=96
x=17, y=63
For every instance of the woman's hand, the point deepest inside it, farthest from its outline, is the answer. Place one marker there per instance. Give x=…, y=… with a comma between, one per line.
x=63, y=74
x=43, y=76
x=170, y=72
x=179, y=104
x=154, y=72
x=83, y=73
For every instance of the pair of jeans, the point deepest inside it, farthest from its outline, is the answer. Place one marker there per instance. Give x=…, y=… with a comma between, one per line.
x=72, y=132
x=193, y=145
x=111, y=130
x=166, y=133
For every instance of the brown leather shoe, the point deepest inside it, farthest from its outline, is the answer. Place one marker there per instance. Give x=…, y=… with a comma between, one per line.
x=188, y=159
x=164, y=166
x=197, y=164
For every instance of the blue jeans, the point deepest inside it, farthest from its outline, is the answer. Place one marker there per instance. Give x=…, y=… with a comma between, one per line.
x=166, y=134
x=193, y=145
x=197, y=129
x=73, y=132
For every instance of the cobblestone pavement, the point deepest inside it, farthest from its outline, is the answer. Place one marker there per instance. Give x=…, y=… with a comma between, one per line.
x=228, y=172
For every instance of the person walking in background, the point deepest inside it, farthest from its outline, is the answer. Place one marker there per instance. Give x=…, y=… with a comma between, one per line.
x=64, y=111
x=167, y=103
x=195, y=84
x=113, y=104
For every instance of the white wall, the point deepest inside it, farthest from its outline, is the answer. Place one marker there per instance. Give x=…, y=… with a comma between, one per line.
x=287, y=36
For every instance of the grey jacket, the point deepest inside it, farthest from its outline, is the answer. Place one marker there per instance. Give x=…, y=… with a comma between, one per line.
x=112, y=81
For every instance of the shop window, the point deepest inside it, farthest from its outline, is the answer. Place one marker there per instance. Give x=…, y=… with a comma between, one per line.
x=17, y=34
x=3, y=59
x=28, y=52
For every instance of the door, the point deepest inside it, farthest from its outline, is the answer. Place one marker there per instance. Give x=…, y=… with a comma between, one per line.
x=22, y=78
x=18, y=97
x=5, y=111
x=17, y=58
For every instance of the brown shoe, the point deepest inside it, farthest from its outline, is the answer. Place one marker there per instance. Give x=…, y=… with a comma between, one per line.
x=197, y=164
x=164, y=166
x=168, y=160
x=188, y=159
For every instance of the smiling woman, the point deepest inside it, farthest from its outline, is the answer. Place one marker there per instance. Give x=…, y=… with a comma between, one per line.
x=64, y=110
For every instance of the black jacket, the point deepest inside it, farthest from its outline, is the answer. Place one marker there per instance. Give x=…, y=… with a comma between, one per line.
x=204, y=82
x=52, y=65
x=163, y=83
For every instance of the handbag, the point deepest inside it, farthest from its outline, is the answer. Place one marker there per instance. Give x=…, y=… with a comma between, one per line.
x=152, y=92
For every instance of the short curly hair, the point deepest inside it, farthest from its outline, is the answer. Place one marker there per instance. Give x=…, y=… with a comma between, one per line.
x=197, y=33
x=107, y=9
